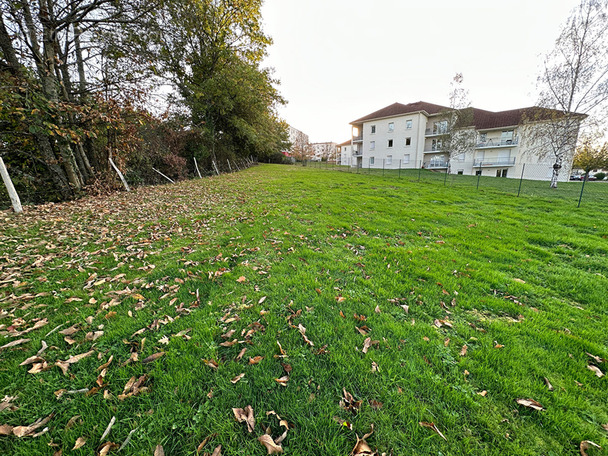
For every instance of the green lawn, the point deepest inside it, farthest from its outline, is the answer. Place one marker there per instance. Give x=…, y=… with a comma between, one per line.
x=204, y=269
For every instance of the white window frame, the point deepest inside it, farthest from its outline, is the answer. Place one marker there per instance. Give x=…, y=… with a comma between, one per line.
x=372, y=145
x=389, y=159
x=372, y=161
x=391, y=127
x=406, y=159
x=408, y=124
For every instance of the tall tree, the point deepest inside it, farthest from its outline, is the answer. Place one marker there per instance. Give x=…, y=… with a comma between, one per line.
x=573, y=84
x=589, y=156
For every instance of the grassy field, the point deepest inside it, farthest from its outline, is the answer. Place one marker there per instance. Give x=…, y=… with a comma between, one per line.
x=346, y=301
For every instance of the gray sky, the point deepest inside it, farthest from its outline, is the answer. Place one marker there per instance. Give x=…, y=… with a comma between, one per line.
x=339, y=60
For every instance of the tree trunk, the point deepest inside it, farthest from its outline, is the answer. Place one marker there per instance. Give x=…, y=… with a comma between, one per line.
x=10, y=188
x=557, y=166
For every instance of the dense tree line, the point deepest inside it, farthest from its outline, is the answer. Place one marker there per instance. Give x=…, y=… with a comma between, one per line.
x=78, y=80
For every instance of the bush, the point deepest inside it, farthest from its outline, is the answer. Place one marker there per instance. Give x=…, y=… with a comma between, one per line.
x=600, y=176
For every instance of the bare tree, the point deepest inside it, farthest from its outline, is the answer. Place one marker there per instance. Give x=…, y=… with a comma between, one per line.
x=573, y=85
x=456, y=127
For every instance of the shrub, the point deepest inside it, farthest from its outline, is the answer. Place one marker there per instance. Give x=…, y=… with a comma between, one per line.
x=600, y=176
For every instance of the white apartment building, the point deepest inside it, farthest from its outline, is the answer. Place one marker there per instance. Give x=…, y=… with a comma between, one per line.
x=345, y=154
x=299, y=144
x=409, y=136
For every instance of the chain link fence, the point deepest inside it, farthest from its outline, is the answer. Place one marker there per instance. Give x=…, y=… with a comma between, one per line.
x=517, y=179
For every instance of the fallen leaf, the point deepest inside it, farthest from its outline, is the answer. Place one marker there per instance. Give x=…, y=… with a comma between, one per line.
x=106, y=448
x=366, y=344
x=377, y=309
x=6, y=404
x=530, y=403
x=463, y=351
x=586, y=444
x=91, y=336
x=31, y=360
x=519, y=281
x=596, y=370
x=164, y=340
x=361, y=447
x=6, y=429
x=217, y=451
x=548, y=383
x=80, y=441
x=433, y=427
x=597, y=359
x=15, y=343
x=69, y=331
x=270, y=445
x=159, y=451
x=255, y=359
x=349, y=403
x=245, y=415
x=282, y=381
x=237, y=378
x=153, y=357
x=242, y=279
x=26, y=431
x=375, y=404
x=71, y=422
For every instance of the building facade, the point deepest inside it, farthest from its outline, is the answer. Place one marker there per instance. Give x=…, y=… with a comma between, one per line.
x=345, y=154
x=323, y=151
x=411, y=136
x=299, y=144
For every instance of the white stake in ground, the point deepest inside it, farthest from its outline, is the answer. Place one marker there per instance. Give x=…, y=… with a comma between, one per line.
x=10, y=188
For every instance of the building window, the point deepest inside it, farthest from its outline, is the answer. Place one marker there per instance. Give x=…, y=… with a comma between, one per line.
x=501, y=173
x=373, y=129
x=436, y=146
x=506, y=137
x=441, y=127
x=371, y=160
x=460, y=157
x=389, y=159
x=408, y=124
x=478, y=172
x=391, y=127
x=390, y=143
x=406, y=159
x=408, y=141
x=372, y=145
x=483, y=137
x=461, y=172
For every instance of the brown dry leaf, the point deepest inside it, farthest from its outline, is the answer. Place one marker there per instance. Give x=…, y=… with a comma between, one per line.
x=80, y=441
x=217, y=451
x=270, y=444
x=6, y=429
x=75, y=359
x=255, y=359
x=433, y=427
x=91, y=336
x=14, y=343
x=340, y=298
x=241, y=279
x=406, y=308
x=548, y=383
x=361, y=447
x=483, y=393
x=229, y=344
x=586, y=444
x=153, y=357
x=39, y=367
x=106, y=365
x=237, y=378
x=211, y=363
x=25, y=431
x=245, y=415
x=281, y=351
x=159, y=451
x=6, y=404
x=366, y=344
x=519, y=281
x=72, y=421
x=70, y=331
x=530, y=403
x=377, y=310
x=31, y=360
x=241, y=354
x=605, y=426
x=375, y=404
x=69, y=340
x=463, y=351
x=596, y=370
x=282, y=381
x=597, y=359
x=107, y=447
x=349, y=403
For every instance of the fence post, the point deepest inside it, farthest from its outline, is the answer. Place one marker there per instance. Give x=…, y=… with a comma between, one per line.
x=399, y=168
x=419, y=170
x=582, y=189
x=521, y=179
x=447, y=171
x=10, y=188
x=369, y=165
x=478, y=176
x=383, y=167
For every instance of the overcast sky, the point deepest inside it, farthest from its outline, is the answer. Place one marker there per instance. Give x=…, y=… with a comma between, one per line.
x=339, y=60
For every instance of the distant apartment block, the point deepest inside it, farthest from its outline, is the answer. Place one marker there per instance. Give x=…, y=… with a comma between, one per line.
x=299, y=144
x=409, y=136
x=345, y=153
x=323, y=151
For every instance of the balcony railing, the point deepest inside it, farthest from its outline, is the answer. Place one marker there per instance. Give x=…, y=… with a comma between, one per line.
x=436, y=165
x=497, y=143
x=432, y=149
x=358, y=138
x=496, y=162
x=434, y=132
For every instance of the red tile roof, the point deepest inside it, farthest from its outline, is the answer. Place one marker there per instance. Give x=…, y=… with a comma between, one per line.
x=397, y=108
x=482, y=119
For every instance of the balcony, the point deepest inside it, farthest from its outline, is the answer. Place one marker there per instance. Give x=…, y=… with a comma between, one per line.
x=489, y=163
x=358, y=139
x=357, y=153
x=437, y=165
x=433, y=150
x=435, y=132
x=497, y=143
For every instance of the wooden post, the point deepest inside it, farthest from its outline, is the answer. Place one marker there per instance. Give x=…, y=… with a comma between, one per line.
x=122, y=178
x=166, y=177
x=197, y=170
x=10, y=188
x=215, y=166
x=229, y=167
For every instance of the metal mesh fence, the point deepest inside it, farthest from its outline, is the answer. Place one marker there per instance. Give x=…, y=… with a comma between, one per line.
x=509, y=178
